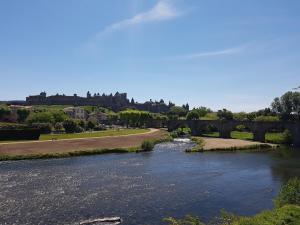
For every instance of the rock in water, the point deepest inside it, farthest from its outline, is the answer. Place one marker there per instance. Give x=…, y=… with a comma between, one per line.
x=102, y=221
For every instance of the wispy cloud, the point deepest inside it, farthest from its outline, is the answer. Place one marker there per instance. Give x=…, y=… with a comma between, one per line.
x=228, y=51
x=163, y=10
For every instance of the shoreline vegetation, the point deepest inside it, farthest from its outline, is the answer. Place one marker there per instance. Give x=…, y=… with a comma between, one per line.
x=146, y=146
x=286, y=211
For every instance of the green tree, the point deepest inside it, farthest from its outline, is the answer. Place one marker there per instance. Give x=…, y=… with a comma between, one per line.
x=4, y=111
x=178, y=111
x=225, y=114
x=192, y=115
x=41, y=117
x=70, y=125
x=22, y=115
x=91, y=124
x=59, y=116
x=287, y=106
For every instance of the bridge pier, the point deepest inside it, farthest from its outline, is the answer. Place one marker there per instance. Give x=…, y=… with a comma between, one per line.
x=296, y=136
x=259, y=135
x=225, y=133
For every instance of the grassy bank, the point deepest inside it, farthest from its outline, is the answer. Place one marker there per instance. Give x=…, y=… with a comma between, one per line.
x=105, y=133
x=165, y=138
x=276, y=138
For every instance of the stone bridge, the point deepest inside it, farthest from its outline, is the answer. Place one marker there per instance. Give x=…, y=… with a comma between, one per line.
x=259, y=129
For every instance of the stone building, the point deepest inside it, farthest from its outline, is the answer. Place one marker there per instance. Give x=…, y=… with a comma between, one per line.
x=76, y=113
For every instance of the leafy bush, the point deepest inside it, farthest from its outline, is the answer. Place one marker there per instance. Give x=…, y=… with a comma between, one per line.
x=225, y=114
x=4, y=111
x=79, y=129
x=41, y=117
x=70, y=125
x=289, y=193
x=193, y=115
x=147, y=146
x=22, y=115
x=45, y=128
x=188, y=220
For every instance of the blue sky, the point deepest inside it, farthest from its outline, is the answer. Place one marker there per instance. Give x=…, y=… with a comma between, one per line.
x=233, y=54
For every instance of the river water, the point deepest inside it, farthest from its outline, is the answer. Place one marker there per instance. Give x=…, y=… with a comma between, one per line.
x=142, y=188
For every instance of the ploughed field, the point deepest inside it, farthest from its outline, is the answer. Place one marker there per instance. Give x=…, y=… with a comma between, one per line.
x=77, y=144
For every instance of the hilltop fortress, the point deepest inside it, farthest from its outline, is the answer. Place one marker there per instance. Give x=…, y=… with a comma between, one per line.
x=115, y=102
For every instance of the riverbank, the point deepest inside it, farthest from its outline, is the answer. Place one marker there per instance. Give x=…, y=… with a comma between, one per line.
x=79, y=146
x=220, y=144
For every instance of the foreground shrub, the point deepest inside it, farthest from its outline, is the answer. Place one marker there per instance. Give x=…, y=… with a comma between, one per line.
x=147, y=146
x=188, y=220
x=70, y=125
x=289, y=193
x=45, y=128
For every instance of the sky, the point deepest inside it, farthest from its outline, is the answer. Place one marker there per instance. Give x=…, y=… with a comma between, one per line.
x=231, y=54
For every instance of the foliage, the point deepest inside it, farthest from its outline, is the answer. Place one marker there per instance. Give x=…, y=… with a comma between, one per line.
x=135, y=118
x=202, y=111
x=70, y=125
x=178, y=111
x=225, y=114
x=19, y=134
x=267, y=119
x=45, y=128
x=91, y=124
x=22, y=115
x=241, y=128
x=287, y=106
x=199, y=144
x=210, y=116
x=241, y=116
x=289, y=193
x=182, y=131
x=4, y=111
x=40, y=117
x=193, y=115
x=188, y=220
x=59, y=127
x=147, y=146
x=59, y=116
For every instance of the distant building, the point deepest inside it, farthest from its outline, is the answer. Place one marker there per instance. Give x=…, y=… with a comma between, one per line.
x=116, y=102
x=76, y=113
x=98, y=116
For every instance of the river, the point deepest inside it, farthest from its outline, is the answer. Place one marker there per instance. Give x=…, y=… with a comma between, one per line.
x=143, y=188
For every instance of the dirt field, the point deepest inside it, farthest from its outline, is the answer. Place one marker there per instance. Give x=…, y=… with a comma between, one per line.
x=216, y=143
x=60, y=146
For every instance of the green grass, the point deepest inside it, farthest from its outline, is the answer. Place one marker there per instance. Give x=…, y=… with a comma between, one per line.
x=276, y=138
x=210, y=116
x=242, y=135
x=105, y=133
x=199, y=145
x=211, y=134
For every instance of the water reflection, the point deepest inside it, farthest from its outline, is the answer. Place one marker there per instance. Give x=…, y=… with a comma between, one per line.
x=142, y=188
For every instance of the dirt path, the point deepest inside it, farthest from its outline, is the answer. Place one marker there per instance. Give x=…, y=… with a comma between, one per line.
x=68, y=145
x=216, y=143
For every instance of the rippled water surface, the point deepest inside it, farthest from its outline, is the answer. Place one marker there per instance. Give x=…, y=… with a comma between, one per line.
x=142, y=188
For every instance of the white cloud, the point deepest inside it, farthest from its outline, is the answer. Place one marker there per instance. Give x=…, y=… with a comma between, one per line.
x=163, y=10
x=229, y=51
